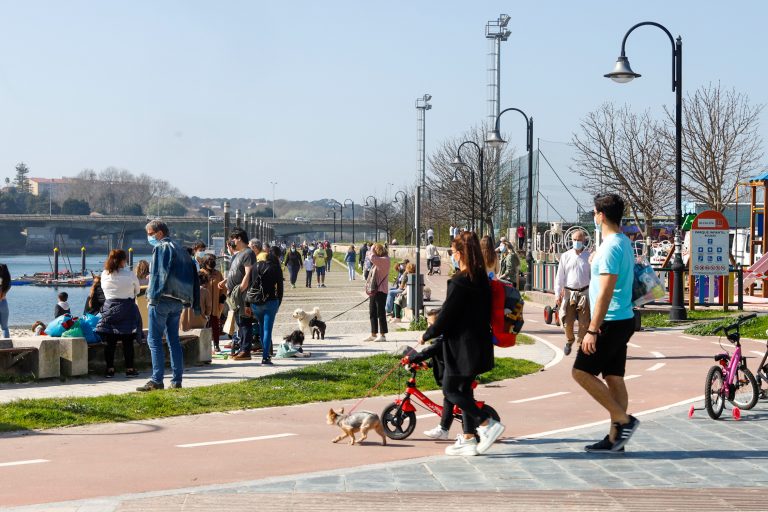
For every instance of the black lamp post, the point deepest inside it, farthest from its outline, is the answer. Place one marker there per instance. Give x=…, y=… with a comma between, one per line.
x=375, y=215
x=405, y=215
x=457, y=163
x=341, y=219
x=622, y=73
x=333, y=211
x=353, y=217
x=494, y=140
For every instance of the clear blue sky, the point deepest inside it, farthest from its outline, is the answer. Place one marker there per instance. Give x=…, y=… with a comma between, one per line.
x=223, y=97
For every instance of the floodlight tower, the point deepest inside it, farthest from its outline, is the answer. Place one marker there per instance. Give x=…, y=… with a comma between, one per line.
x=496, y=31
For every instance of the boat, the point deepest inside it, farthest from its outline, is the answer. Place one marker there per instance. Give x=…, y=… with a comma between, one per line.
x=65, y=278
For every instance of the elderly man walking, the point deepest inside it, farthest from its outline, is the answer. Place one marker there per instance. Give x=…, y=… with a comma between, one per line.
x=571, y=285
x=173, y=284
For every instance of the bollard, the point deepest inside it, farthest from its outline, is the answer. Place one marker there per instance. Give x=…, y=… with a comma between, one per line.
x=55, y=262
x=130, y=258
x=82, y=260
x=740, y=278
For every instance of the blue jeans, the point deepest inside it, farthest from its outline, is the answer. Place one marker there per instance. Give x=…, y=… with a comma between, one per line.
x=266, y=314
x=389, y=308
x=4, y=318
x=351, y=269
x=293, y=271
x=164, y=319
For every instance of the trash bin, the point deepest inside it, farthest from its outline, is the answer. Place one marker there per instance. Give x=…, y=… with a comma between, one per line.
x=411, y=289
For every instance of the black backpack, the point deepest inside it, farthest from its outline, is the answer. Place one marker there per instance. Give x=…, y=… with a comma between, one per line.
x=263, y=285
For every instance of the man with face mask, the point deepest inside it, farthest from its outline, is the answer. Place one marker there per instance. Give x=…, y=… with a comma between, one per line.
x=571, y=290
x=293, y=262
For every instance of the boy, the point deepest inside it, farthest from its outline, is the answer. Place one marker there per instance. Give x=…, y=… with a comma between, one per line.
x=62, y=307
x=435, y=351
x=309, y=266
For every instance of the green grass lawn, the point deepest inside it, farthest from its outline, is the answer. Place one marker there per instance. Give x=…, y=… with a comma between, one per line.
x=754, y=328
x=662, y=319
x=332, y=381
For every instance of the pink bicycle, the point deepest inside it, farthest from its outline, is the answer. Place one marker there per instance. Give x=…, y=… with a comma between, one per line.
x=730, y=379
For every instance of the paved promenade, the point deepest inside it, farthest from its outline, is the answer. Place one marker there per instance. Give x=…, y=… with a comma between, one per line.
x=282, y=458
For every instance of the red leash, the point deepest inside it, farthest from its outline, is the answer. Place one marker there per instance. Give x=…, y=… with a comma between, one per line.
x=381, y=381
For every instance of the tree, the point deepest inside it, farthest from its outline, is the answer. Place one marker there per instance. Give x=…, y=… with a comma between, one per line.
x=720, y=143
x=133, y=209
x=75, y=207
x=21, y=180
x=622, y=152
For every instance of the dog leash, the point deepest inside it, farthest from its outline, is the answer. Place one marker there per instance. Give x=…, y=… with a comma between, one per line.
x=381, y=381
x=347, y=311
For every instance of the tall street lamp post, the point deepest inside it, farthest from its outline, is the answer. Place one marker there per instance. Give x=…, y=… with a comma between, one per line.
x=405, y=214
x=458, y=163
x=375, y=216
x=333, y=211
x=494, y=139
x=273, y=198
x=353, y=217
x=622, y=73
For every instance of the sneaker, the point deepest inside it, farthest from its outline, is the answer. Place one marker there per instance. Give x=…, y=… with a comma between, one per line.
x=133, y=372
x=603, y=446
x=567, y=348
x=175, y=385
x=624, y=432
x=293, y=286
x=370, y=338
x=380, y=337
x=241, y=356
x=150, y=386
x=489, y=434
x=462, y=446
x=437, y=433
x=267, y=362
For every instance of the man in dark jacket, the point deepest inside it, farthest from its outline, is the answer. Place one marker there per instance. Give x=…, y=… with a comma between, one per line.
x=173, y=284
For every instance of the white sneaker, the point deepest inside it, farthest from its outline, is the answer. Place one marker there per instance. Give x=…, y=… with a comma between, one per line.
x=462, y=446
x=489, y=434
x=380, y=337
x=437, y=433
x=370, y=338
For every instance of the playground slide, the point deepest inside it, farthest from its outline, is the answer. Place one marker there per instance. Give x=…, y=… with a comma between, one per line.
x=759, y=270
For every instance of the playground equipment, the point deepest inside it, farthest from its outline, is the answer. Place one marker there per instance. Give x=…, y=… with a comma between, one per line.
x=758, y=242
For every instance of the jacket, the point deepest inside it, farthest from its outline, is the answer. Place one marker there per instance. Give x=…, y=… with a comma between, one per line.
x=465, y=323
x=435, y=352
x=350, y=257
x=293, y=259
x=119, y=316
x=510, y=266
x=216, y=294
x=173, y=274
x=271, y=276
x=382, y=264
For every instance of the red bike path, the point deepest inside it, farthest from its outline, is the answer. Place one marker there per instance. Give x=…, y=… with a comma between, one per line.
x=665, y=368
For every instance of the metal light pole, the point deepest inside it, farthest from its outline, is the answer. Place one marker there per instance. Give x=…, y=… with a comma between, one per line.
x=498, y=32
x=622, y=73
x=375, y=216
x=422, y=105
x=273, y=198
x=458, y=163
x=226, y=222
x=333, y=210
x=353, y=218
x=209, y=228
x=405, y=215
x=494, y=139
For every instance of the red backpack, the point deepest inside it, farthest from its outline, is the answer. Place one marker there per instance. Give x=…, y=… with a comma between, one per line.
x=506, y=313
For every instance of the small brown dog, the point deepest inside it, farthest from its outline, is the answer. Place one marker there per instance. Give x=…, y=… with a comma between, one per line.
x=362, y=422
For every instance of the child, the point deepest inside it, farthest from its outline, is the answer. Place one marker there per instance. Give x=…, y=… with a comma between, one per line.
x=435, y=351
x=309, y=266
x=62, y=307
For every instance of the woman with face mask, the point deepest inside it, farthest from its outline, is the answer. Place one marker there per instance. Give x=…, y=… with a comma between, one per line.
x=510, y=264
x=293, y=262
x=218, y=297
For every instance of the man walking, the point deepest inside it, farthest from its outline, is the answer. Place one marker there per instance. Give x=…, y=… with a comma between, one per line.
x=173, y=284
x=521, y=237
x=236, y=284
x=604, y=348
x=571, y=285
x=319, y=257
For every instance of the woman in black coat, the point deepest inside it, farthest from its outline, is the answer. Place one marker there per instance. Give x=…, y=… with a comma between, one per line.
x=465, y=324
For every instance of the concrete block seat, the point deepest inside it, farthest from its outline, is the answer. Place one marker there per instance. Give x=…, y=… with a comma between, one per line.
x=17, y=361
x=42, y=355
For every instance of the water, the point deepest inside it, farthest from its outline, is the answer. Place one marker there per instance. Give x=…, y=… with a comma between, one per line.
x=28, y=304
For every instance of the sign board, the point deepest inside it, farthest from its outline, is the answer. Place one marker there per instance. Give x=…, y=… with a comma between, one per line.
x=709, y=244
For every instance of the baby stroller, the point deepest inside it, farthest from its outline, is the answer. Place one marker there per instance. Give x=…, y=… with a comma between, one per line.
x=433, y=266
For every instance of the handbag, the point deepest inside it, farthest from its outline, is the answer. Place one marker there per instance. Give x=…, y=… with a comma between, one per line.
x=646, y=285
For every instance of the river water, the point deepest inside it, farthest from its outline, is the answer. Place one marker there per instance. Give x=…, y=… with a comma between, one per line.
x=28, y=304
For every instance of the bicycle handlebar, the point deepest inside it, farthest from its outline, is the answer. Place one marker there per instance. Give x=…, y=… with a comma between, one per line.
x=736, y=324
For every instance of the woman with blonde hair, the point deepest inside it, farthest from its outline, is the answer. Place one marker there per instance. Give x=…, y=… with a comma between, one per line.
x=142, y=272
x=379, y=259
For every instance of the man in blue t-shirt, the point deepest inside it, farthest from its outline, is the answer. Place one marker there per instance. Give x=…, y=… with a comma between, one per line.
x=604, y=347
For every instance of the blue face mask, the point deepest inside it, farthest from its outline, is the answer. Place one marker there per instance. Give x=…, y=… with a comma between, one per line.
x=455, y=263
x=578, y=245
x=154, y=242
x=597, y=224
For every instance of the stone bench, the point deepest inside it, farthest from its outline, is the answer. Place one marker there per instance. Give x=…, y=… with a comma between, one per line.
x=44, y=354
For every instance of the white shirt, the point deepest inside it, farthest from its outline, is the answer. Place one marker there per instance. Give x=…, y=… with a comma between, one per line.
x=450, y=231
x=430, y=233
x=573, y=271
x=432, y=252
x=122, y=284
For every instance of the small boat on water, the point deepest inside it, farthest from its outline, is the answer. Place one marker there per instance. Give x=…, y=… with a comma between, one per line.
x=65, y=278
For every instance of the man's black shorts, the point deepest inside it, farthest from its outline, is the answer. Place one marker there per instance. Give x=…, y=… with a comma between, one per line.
x=610, y=357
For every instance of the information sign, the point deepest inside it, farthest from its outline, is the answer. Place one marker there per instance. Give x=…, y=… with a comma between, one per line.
x=709, y=244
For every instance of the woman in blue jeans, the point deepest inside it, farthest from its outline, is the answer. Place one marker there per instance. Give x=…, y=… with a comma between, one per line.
x=5, y=285
x=270, y=275
x=349, y=259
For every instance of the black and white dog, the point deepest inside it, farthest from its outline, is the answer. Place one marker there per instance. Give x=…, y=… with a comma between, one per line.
x=318, y=327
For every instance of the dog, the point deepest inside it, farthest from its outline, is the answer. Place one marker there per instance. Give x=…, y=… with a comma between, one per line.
x=318, y=327
x=361, y=421
x=303, y=318
x=296, y=339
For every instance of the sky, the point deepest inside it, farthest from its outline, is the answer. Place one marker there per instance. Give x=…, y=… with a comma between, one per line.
x=221, y=98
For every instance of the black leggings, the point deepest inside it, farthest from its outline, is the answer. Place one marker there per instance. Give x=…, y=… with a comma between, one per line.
x=459, y=391
x=376, y=310
x=109, y=351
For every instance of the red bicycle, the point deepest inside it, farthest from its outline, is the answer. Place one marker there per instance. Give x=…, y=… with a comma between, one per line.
x=399, y=417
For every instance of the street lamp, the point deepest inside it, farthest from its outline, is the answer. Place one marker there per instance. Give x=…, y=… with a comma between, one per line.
x=375, y=215
x=622, y=73
x=458, y=163
x=422, y=105
x=333, y=210
x=495, y=140
x=405, y=214
x=341, y=218
x=353, y=217
x=273, y=198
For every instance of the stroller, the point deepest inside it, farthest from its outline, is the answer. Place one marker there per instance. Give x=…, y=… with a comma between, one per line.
x=433, y=266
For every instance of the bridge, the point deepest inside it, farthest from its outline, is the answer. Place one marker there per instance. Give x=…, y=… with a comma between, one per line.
x=116, y=227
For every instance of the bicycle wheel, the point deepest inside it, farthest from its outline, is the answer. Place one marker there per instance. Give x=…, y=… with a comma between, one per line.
x=398, y=424
x=747, y=392
x=714, y=392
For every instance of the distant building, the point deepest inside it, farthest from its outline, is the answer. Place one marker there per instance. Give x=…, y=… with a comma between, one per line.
x=58, y=188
